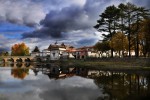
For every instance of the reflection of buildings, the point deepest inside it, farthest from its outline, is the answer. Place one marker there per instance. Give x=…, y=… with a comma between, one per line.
x=57, y=72
x=119, y=85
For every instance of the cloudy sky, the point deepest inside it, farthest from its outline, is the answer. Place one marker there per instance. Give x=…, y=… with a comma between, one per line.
x=42, y=22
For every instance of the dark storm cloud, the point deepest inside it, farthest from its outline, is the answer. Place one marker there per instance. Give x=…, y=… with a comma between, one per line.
x=43, y=33
x=73, y=17
x=57, y=22
x=86, y=41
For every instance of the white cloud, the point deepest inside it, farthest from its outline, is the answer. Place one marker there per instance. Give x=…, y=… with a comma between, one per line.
x=77, y=2
x=20, y=12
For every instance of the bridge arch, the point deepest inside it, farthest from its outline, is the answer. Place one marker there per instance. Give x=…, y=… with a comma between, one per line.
x=27, y=60
x=19, y=60
x=4, y=60
x=11, y=59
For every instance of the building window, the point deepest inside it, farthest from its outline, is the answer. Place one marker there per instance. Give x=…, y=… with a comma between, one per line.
x=53, y=54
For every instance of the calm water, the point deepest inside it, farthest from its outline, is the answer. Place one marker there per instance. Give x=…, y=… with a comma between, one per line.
x=49, y=82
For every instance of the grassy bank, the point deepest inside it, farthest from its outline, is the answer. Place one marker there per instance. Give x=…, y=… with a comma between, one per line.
x=104, y=63
x=0, y=58
x=111, y=63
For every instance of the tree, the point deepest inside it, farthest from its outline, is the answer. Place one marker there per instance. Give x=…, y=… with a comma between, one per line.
x=140, y=14
x=4, y=53
x=108, y=23
x=102, y=46
x=128, y=11
x=19, y=49
x=36, y=49
x=145, y=39
x=131, y=17
x=122, y=18
x=119, y=42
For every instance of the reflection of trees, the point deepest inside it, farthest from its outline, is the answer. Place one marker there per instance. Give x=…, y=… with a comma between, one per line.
x=12, y=65
x=118, y=85
x=3, y=64
x=121, y=86
x=19, y=64
x=19, y=73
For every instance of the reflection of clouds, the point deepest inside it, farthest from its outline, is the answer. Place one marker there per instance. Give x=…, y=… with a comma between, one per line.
x=32, y=76
x=33, y=95
x=41, y=88
x=5, y=75
x=71, y=93
x=74, y=88
x=78, y=82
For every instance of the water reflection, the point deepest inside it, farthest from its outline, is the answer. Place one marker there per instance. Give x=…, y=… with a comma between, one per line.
x=19, y=64
x=18, y=70
x=57, y=72
x=40, y=87
x=120, y=85
x=77, y=83
x=19, y=73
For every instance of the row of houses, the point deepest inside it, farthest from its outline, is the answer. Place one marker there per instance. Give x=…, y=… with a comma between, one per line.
x=57, y=51
x=61, y=51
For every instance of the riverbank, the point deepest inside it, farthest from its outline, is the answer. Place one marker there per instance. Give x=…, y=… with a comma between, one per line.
x=111, y=63
x=103, y=63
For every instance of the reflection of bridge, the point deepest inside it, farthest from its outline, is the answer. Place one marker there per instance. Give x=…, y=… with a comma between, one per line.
x=17, y=65
x=17, y=58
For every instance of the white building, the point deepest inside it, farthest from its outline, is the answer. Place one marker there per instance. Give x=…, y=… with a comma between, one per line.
x=57, y=51
x=35, y=54
x=88, y=52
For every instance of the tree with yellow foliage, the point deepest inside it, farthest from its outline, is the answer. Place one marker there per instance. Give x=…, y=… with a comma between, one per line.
x=145, y=37
x=19, y=49
x=119, y=42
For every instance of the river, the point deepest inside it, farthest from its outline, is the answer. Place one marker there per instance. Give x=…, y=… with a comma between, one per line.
x=53, y=82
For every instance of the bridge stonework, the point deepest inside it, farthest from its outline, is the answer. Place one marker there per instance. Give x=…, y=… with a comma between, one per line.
x=15, y=58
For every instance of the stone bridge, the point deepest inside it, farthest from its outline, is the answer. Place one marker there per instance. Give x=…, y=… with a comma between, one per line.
x=17, y=58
